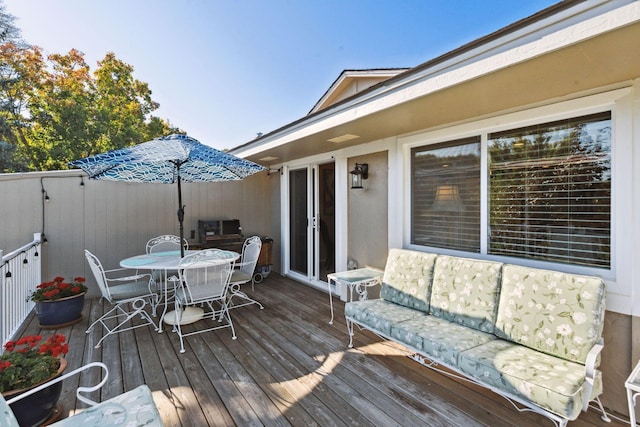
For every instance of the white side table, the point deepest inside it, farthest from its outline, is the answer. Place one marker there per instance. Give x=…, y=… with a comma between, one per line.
x=359, y=279
x=632, y=384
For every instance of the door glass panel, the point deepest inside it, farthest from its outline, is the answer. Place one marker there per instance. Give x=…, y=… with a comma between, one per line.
x=298, y=221
x=327, y=220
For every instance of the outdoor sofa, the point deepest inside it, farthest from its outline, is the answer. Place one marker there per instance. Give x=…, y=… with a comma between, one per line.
x=533, y=336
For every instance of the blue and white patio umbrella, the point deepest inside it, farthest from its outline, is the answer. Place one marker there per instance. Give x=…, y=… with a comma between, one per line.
x=168, y=159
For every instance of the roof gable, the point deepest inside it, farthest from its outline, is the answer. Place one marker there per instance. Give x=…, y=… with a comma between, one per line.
x=351, y=82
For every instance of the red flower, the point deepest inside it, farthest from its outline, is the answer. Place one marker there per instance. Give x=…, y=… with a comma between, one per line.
x=30, y=360
x=57, y=289
x=51, y=293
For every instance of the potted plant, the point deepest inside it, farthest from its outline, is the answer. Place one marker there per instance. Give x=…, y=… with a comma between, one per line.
x=59, y=303
x=27, y=363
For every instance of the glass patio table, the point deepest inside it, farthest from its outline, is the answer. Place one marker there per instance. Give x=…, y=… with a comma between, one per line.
x=359, y=280
x=165, y=262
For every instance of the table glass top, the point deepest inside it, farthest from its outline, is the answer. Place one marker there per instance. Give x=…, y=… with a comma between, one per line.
x=167, y=253
x=135, y=262
x=357, y=275
x=161, y=260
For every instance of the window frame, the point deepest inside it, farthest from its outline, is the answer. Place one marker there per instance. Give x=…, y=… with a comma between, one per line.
x=541, y=247
x=466, y=214
x=621, y=171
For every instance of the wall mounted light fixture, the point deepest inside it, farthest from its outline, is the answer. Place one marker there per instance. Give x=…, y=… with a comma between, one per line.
x=359, y=172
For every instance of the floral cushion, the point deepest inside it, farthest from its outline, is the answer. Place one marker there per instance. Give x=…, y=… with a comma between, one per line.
x=438, y=338
x=7, y=419
x=378, y=314
x=555, y=384
x=407, y=278
x=465, y=291
x=133, y=408
x=558, y=313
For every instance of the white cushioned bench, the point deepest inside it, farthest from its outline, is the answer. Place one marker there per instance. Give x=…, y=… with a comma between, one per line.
x=533, y=336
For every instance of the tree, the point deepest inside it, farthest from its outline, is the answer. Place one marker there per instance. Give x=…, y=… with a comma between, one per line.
x=73, y=113
x=123, y=104
x=21, y=70
x=8, y=31
x=62, y=112
x=54, y=110
x=10, y=41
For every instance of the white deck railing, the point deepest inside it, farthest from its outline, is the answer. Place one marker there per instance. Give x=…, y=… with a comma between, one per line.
x=20, y=273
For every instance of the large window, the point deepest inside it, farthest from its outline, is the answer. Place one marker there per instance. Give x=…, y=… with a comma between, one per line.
x=446, y=195
x=550, y=191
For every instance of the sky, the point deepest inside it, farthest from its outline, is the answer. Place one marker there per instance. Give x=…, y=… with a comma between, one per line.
x=226, y=70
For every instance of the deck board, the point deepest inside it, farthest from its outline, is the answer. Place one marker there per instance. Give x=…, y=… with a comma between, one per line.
x=288, y=367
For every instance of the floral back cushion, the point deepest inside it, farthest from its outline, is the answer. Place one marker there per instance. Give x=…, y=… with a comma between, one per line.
x=407, y=278
x=465, y=291
x=558, y=313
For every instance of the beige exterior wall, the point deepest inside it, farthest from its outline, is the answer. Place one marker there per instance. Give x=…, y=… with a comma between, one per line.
x=616, y=364
x=367, y=211
x=114, y=220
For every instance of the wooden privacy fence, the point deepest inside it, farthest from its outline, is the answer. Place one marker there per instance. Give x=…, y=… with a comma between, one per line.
x=20, y=272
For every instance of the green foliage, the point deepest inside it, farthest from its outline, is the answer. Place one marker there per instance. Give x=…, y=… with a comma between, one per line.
x=54, y=109
x=30, y=361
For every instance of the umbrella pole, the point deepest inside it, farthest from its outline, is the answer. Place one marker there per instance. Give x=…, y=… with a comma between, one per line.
x=180, y=214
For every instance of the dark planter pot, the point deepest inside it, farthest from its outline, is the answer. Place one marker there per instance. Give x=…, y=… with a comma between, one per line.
x=61, y=312
x=38, y=408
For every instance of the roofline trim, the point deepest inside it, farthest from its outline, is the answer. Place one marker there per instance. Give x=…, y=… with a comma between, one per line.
x=430, y=68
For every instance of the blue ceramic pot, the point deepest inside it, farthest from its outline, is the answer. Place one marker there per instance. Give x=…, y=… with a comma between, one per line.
x=61, y=312
x=36, y=409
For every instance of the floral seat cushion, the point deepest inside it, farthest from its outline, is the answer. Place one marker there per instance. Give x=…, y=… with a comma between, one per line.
x=553, y=383
x=378, y=314
x=438, y=338
x=407, y=278
x=558, y=313
x=465, y=291
x=133, y=408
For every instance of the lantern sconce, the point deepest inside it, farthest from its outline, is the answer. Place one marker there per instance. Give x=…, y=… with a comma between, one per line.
x=360, y=172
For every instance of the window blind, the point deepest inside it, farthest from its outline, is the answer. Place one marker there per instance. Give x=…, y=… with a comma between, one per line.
x=446, y=195
x=550, y=191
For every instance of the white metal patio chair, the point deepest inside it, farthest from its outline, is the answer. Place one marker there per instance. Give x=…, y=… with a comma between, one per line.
x=128, y=295
x=135, y=406
x=243, y=272
x=204, y=282
x=164, y=243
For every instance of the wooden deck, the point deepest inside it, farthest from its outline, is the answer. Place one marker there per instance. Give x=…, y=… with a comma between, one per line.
x=287, y=367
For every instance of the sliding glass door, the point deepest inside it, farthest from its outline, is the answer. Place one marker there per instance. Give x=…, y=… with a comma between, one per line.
x=299, y=221
x=311, y=221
